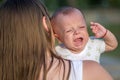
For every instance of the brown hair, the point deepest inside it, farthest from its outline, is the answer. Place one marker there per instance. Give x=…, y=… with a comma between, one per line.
x=24, y=43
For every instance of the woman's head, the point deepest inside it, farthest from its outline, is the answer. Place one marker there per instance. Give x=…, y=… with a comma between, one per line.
x=23, y=39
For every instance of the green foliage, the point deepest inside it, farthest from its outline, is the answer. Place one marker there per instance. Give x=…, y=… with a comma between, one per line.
x=115, y=3
x=54, y=4
x=51, y=4
x=83, y=4
x=0, y=0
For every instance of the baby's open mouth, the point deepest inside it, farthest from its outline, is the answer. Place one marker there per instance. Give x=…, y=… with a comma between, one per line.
x=78, y=39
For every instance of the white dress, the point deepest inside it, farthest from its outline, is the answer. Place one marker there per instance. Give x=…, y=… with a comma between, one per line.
x=92, y=51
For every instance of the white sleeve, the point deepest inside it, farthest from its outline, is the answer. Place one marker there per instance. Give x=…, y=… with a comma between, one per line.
x=76, y=70
x=100, y=44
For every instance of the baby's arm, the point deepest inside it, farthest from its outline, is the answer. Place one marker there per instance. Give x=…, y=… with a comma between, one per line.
x=102, y=32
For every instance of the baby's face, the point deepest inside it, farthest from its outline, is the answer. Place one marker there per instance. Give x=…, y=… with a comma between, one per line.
x=73, y=31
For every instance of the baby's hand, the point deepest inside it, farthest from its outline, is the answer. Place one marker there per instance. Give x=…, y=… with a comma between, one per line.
x=98, y=30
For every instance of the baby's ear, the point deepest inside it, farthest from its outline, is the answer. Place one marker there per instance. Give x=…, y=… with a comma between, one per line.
x=44, y=23
x=56, y=35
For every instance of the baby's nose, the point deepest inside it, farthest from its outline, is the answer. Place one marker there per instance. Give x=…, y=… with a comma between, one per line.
x=77, y=31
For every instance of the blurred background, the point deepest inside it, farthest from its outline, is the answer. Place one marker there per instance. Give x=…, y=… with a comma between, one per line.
x=105, y=12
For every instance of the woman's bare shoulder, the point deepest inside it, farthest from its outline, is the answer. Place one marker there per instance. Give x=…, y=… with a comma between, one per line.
x=94, y=71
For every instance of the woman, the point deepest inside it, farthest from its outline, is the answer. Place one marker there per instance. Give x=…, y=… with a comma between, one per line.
x=27, y=47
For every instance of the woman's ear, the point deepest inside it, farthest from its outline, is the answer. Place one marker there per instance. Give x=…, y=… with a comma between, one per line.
x=44, y=23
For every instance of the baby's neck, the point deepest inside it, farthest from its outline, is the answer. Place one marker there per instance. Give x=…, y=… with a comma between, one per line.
x=76, y=51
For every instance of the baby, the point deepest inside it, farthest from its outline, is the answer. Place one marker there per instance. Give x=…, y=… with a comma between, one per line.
x=70, y=28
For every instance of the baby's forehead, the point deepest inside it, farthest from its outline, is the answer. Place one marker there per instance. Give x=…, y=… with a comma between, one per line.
x=68, y=16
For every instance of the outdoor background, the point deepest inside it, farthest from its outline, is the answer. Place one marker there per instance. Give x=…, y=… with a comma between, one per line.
x=106, y=12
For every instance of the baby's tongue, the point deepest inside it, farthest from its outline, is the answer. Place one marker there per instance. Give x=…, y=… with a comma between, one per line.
x=78, y=41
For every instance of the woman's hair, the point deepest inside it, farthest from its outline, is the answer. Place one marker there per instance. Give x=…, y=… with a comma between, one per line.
x=24, y=43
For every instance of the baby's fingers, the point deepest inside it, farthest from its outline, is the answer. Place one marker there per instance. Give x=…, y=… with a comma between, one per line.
x=93, y=27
